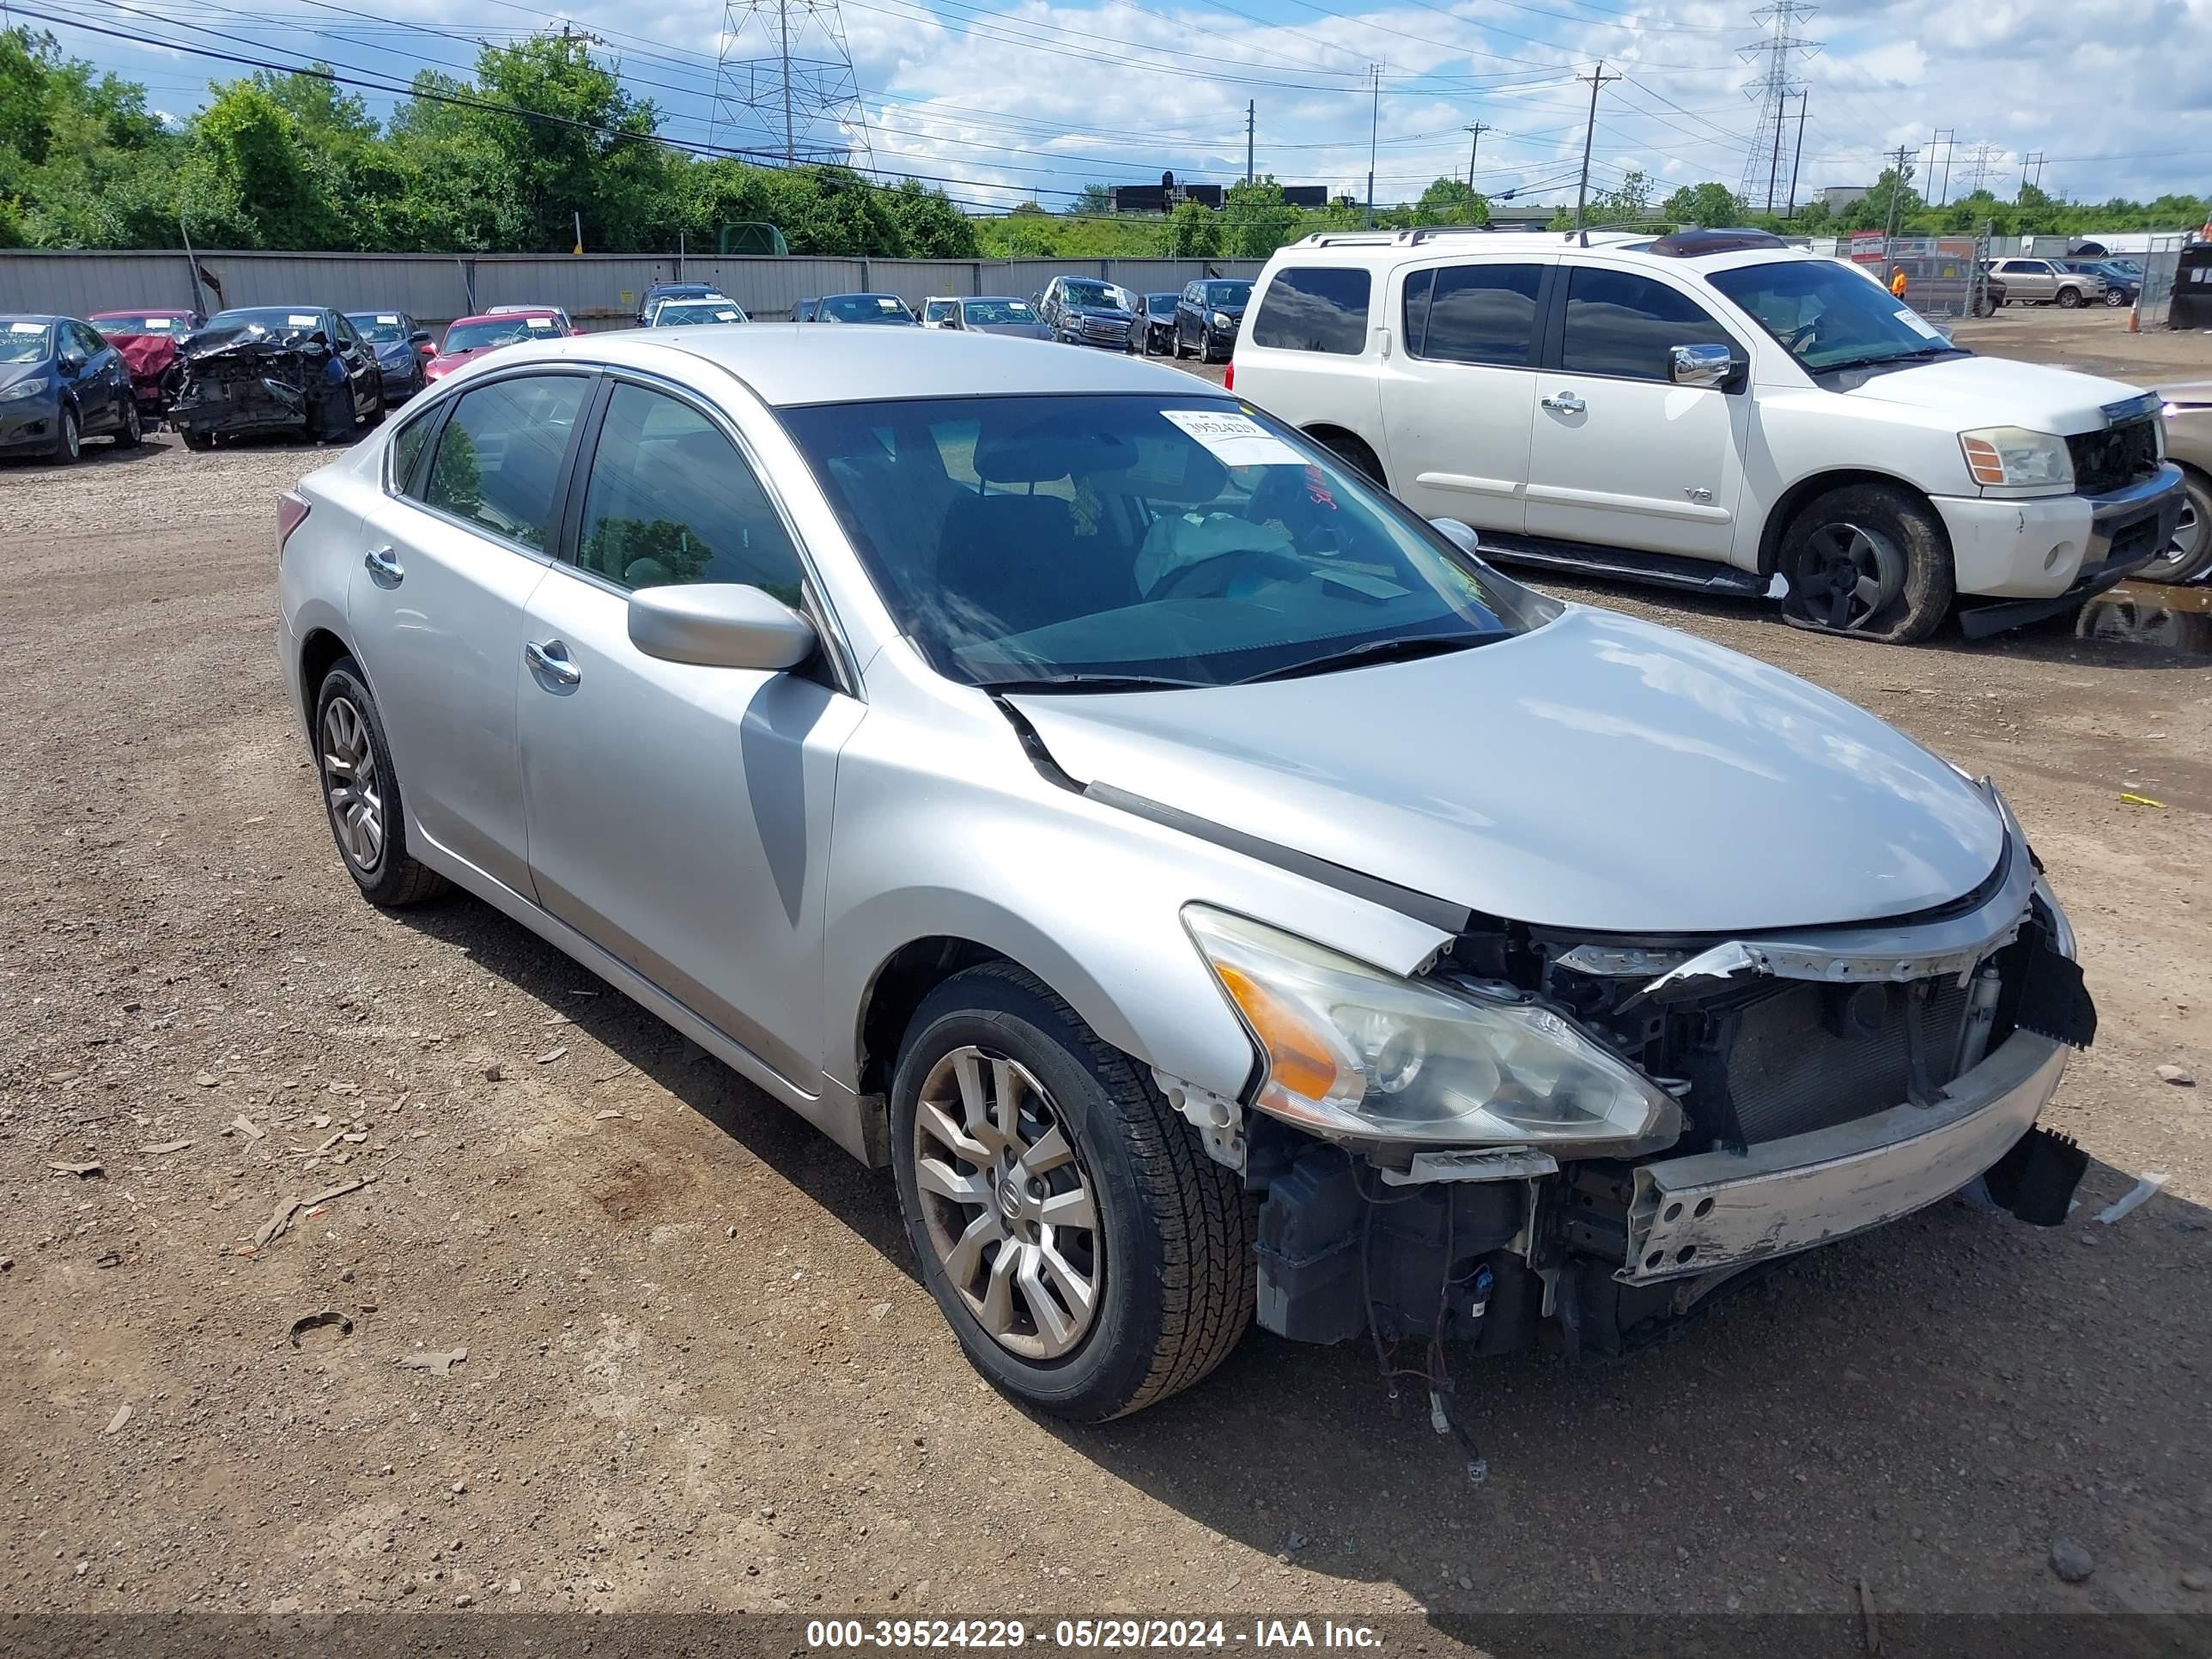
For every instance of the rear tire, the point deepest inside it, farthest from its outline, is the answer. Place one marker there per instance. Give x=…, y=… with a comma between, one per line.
x=132, y=430
x=1166, y=1267
x=199, y=440
x=2189, y=555
x=1871, y=561
x=361, y=792
x=2114, y=296
x=1354, y=454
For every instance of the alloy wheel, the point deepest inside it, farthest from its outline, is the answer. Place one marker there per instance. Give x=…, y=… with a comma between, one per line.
x=1848, y=575
x=350, y=780
x=72, y=436
x=1007, y=1206
x=2188, y=532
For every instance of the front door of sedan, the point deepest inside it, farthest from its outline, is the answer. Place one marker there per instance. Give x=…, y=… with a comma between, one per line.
x=364, y=380
x=100, y=380
x=679, y=814
x=1620, y=455
x=448, y=556
x=1456, y=397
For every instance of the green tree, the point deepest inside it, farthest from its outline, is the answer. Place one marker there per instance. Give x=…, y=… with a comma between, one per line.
x=1193, y=232
x=1451, y=202
x=1708, y=204
x=1255, y=219
x=929, y=224
x=1093, y=199
x=254, y=147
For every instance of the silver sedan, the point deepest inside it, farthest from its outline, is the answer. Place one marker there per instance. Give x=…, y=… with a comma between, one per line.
x=1213, y=891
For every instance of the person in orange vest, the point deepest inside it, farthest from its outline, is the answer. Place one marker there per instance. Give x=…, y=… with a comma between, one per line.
x=1897, y=281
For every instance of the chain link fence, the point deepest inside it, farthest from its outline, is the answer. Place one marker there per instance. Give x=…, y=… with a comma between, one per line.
x=1944, y=276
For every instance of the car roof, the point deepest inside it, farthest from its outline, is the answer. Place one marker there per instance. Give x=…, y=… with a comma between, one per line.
x=506, y=316
x=141, y=311
x=1389, y=248
x=789, y=365
x=33, y=317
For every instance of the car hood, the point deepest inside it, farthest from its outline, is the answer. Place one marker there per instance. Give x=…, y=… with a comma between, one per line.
x=1597, y=774
x=1998, y=392
x=397, y=351
x=11, y=372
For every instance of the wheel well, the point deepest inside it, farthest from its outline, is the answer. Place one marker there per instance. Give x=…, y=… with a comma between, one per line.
x=321, y=649
x=900, y=985
x=1795, y=498
x=1335, y=436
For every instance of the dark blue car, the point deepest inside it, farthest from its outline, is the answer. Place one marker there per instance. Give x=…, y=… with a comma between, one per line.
x=61, y=383
x=401, y=348
x=2121, y=284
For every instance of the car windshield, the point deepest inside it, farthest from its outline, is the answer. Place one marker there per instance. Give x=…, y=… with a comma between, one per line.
x=1103, y=541
x=277, y=319
x=140, y=322
x=1098, y=295
x=865, y=308
x=1160, y=305
x=379, y=327
x=1228, y=294
x=1827, y=315
x=23, y=342
x=674, y=312
x=498, y=331
x=983, y=313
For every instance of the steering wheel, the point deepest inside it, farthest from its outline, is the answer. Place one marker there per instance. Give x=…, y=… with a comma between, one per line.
x=1798, y=336
x=1219, y=570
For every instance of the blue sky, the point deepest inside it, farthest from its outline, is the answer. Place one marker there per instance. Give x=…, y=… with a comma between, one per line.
x=1001, y=102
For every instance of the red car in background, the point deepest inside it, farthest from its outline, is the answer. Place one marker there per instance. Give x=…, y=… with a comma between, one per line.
x=148, y=343
x=469, y=337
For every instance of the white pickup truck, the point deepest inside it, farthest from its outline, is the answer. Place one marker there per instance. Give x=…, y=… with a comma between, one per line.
x=1712, y=410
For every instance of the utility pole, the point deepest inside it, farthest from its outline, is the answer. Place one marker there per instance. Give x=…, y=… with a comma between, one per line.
x=1475, y=130
x=1251, y=119
x=1896, y=187
x=1597, y=79
x=1374, y=127
x=1798, y=160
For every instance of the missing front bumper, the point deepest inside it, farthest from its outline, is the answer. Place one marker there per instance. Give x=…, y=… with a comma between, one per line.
x=1714, y=1210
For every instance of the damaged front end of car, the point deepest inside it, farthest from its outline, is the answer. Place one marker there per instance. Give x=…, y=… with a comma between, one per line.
x=1599, y=1133
x=232, y=382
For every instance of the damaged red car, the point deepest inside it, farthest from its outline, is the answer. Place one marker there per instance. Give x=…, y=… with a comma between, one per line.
x=148, y=341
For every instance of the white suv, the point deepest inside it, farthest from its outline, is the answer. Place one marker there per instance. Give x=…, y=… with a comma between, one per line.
x=1713, y=409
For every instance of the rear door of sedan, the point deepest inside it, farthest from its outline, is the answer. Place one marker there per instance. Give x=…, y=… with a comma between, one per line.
x=460, y=540
x=679, y=814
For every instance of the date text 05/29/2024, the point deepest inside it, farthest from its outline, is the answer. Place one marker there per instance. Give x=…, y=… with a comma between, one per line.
x=1124, y=1633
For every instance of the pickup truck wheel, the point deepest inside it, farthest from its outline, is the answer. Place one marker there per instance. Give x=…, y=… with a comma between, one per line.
x=1089, y=1256
x=2189, y=555
x=361, y=793
x=1870, y=560
x=2068, y=298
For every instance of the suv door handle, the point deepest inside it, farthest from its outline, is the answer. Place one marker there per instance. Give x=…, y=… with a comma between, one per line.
x=1565, y=404
x=551, y=660
x=383, y=567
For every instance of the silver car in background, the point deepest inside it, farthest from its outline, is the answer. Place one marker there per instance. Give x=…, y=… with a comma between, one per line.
x=1215, y=892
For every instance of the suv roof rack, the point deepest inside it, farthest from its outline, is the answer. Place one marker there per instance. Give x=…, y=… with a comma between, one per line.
x=1693, y=240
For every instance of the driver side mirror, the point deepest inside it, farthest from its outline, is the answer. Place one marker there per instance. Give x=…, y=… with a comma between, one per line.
x=71, y=363
x=420, y=337
x=719, y=625
x=1700, y=365
x=1460, y=535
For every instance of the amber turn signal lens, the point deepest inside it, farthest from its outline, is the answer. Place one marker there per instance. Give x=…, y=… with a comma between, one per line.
x=1297, y=1056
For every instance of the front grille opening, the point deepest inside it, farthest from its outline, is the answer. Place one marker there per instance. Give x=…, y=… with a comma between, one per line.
x=2115, y=458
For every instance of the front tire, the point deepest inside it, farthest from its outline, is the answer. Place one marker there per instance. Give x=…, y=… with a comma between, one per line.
x=1089, y=1255
x=1868, y=560
x=2068, y=298
x=361, y=792
x=68, y=441
x=2189, y=555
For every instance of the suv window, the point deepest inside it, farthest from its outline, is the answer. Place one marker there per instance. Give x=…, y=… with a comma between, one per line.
x=1474, y=314
x=1620, y=324
x=671, y=502
x=500, y=454
x=1315, y=308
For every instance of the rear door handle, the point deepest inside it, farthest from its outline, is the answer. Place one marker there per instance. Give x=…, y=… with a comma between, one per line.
x=551, y=660
x=387, y=570
x=1565, y=404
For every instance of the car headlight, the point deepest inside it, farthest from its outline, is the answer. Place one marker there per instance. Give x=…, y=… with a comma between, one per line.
x=33, y=387
x=1221, y=320
x=2012, y=458
x=1352, y=1049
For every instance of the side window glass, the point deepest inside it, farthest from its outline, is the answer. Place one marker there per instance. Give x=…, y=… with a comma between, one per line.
x=88, y=340
x=1621, y=324
x=1478, y=314
x=671, y=502
x=1315, y=308
x=500, y=454
x=407, y=449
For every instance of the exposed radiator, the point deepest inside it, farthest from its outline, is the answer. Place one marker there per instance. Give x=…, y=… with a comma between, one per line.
x=1805, y=1058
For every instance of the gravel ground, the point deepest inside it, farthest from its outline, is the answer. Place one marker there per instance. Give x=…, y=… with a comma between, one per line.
x=700, y=1372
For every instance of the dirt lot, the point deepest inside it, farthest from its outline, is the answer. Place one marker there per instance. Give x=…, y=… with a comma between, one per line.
x=700, y=1372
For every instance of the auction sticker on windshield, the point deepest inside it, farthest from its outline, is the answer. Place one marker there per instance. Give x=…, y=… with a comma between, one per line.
x=1913, y=320
x=538, y=322
x=308, y=321
x=27, y=328
x=1234, y=439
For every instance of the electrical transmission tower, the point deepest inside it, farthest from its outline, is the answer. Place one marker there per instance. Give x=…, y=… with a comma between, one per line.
x=1774, y=89
x=784, y=84
x=1977, y=176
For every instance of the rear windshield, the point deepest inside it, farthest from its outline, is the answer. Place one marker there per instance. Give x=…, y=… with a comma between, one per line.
x=1031, y=542
x=1315, y=308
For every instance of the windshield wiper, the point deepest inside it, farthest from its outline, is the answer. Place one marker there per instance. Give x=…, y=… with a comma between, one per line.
x=1096, y=683
x=1892, y=357
x=1371, y=651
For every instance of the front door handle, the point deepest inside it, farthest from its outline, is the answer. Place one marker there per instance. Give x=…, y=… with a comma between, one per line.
x=1565, y=404
x=386, y=570
x=551, y=660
